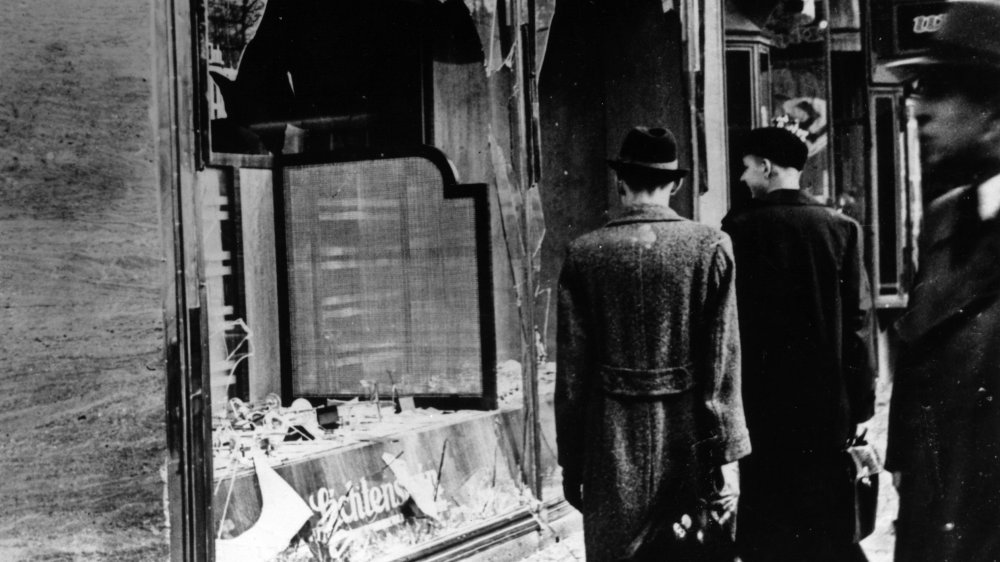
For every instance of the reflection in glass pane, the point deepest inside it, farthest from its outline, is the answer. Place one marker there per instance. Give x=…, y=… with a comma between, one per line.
x=231, y=25
x=799, y=89
x=290, y=76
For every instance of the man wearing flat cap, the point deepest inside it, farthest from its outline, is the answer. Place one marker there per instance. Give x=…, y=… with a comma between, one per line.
x=944, y=417
x=649, y=416
x=807, y=328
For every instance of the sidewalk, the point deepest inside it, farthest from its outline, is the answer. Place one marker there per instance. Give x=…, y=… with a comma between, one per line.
x=878, y=547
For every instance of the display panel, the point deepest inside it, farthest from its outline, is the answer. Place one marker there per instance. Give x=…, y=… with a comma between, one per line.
x=385, y=280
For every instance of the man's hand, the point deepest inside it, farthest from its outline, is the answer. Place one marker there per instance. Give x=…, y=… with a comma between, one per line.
x=573, y=490
x=726, y=497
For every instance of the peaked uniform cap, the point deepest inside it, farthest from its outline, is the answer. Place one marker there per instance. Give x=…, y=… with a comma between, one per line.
x=968, y=37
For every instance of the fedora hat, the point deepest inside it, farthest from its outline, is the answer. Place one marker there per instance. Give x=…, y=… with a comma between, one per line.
x=968, y=37
x=651, y=150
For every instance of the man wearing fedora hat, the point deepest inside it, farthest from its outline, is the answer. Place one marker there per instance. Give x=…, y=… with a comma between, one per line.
x=649, y=414
x=944, y=426
x=807, y=331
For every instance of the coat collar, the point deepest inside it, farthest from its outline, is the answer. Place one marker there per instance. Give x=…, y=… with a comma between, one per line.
x=957, y=211
x=645, y=213
x=961, y=212
x=962, y=209
x=787, y=197
x=778, y=197
x=955, y=287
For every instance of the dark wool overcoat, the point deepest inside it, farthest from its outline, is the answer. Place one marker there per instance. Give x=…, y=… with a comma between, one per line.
x=806, y=323
x=944, y=418
x=647, y=381
x=807, y=335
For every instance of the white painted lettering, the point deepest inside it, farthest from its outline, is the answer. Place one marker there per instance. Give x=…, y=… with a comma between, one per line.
x=375, y=499
x=928, y=24
x=364, y=503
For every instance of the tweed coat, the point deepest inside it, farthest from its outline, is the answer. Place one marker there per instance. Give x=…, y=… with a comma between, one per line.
x=807, y=333
x=944, y=426
x=647, y=379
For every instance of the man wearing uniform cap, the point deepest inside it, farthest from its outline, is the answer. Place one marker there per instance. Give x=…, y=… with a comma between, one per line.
x=649, y=418
x=944, y=426
x=807, y=328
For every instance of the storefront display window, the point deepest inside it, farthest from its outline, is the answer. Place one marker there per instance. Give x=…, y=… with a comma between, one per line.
x=354, y=238
x=385, y=446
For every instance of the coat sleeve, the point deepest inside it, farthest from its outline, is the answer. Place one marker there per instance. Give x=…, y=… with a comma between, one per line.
x=726, y=437
x=860, y=370
x=572, y=371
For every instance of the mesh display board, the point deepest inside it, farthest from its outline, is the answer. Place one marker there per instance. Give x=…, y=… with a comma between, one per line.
x=383, y=280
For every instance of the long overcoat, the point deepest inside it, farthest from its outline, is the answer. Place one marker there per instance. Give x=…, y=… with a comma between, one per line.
x=807, y=323
x=807, y=332
x=944, y=428
x=647, y=381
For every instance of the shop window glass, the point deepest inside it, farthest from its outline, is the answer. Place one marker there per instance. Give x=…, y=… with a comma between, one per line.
x=887, y=189
x=738, y=82
x=288, y=76
x=850, y=122
x=741, y=103
x=382, y=283
x=895, y=197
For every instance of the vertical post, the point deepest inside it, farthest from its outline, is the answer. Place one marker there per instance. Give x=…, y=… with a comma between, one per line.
x=914, y=193
x=691, y=37
x=523, y=19
x=831, y=162
x=162, y=17
x=189, y=467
